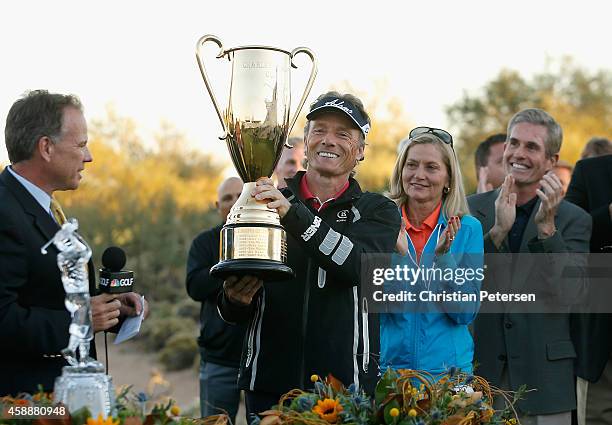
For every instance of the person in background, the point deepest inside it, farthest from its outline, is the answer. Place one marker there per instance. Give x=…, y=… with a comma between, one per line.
x=527, y=214
x=591, y=189
x=488, y=160
x=563, y=170
x=597, y=146
x=427, y=187
x=220, y=343
x=290, y=162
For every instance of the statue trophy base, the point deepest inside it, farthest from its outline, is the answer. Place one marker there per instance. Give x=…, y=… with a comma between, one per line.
x=85, y=386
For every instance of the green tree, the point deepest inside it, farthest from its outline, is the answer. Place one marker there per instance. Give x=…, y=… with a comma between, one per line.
x=579, y=99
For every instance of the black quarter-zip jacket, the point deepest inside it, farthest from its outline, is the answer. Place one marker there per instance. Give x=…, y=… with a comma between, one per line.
x=317, y=323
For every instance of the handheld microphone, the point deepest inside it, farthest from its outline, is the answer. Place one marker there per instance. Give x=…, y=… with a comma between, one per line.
x=113, y=280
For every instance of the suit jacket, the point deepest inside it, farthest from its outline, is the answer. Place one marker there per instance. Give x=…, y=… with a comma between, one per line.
x=33, y=319
x=591, y=189
x=535, y=349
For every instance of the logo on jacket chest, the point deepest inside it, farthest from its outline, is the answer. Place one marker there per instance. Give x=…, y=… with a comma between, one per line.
x=342, y=216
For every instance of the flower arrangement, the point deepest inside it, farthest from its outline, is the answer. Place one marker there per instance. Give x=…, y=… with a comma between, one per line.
x=130, y=409
x=402, y=397
x=328, y=403
x=408, y=397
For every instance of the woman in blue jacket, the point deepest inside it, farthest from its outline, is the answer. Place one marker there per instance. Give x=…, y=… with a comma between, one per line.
x=439, y=237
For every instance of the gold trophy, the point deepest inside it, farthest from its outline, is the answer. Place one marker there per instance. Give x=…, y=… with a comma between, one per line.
x=255, y=124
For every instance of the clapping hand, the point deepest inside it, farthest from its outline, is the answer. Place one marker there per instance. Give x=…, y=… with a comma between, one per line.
x=551, y=195
x=448, y=236
x=401, y=246
x=505, y=211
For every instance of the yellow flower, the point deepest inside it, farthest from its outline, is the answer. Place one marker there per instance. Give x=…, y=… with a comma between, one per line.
x=394, y=412
x=486, y=414
x=412, y=413
x=175, y=410
x=328, y=410
x=314, y=378
x=510, y=421
x=100, y=421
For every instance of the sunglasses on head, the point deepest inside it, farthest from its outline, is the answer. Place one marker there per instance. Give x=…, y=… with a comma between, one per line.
x=443, y=135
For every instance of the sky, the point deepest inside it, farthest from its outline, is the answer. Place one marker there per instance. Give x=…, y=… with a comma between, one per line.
x=139, y=56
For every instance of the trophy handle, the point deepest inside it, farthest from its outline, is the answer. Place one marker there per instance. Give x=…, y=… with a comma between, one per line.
x=221, y=53
x=313, y=74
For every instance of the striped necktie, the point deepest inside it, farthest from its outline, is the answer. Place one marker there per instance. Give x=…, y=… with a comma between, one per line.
x=58, y=213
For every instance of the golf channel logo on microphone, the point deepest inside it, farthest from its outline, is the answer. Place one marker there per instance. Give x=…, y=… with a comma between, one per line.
x=116, y=282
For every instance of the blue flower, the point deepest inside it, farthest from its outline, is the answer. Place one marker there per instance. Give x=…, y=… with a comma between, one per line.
x=320, y=387
x=352, y=389
x=142, y=397
x=305, y=404
x=435, y=414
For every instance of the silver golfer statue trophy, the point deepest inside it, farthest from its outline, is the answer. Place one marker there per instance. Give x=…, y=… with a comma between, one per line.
x=255, y=124
x=83, y=382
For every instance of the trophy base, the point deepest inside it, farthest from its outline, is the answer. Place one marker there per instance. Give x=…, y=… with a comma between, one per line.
x=267, y=270
x=77, y=388
x=254, y=249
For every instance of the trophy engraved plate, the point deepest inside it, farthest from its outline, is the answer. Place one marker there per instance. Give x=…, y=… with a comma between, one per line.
x=254, y=242
x=255, y=123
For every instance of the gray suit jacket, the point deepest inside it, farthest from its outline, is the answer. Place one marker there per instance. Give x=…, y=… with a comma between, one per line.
x=535, y=349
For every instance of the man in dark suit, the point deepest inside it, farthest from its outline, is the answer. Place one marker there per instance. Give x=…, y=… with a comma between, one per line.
x=46, y=140
x=591, y=189
x=528, y=215
x=220, y=343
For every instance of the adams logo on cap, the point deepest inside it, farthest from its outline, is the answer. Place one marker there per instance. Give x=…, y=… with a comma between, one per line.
x=342, y=105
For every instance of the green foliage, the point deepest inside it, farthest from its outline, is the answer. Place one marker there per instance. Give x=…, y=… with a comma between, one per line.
x=80, y=416
x=188, y=309
x=157, y=331
x=179, y=351
x=386, y=383
x=580, y=100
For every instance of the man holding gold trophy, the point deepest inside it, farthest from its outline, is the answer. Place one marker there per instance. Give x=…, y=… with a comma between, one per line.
x=303, y=300
x=316, y=323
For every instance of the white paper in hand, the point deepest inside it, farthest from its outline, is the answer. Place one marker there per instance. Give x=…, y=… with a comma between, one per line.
x=131, y=325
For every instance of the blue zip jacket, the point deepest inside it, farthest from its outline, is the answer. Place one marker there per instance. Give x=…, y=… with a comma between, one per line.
x=434, y=337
